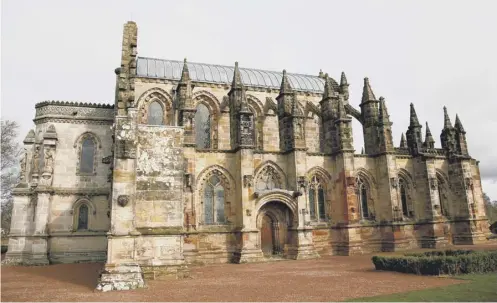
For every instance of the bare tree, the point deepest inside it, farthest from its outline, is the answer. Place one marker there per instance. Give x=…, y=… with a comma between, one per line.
x=490, y=208
x=10, y=152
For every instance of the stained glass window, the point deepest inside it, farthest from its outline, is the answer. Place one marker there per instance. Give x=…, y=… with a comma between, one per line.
x=202, y=127
x=83, y=217
x=443, y=210
x=155, y=114
x=87, y=156
x=209, y=204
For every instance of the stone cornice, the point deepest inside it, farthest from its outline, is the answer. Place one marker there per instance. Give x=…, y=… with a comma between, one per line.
x=73, y=104
x=62, y=191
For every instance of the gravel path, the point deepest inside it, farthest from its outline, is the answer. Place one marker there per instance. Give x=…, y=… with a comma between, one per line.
x=331, y=278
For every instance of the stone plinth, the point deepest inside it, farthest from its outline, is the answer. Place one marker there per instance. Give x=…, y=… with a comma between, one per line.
x=121, y=277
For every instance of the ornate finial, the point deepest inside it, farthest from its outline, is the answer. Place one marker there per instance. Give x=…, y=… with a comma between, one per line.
x=447, y=123
x=329, y=91
x=237, y=78
x=343, y=80
x=367, y=92
x=383, y=117
x=321, y=73
x=185, y=73
x=459, y=126
x=285, y=84
x=429, y=141
x=403, y=142
x=414, y=122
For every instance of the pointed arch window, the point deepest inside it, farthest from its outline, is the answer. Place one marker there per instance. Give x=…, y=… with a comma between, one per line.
x=83, y=217
x=87, y=157
x=202, y=127
x=363, y=198
x=213, y=200
x=404, y=199
x=155, y=114
x=316, y=199
x=441, y=198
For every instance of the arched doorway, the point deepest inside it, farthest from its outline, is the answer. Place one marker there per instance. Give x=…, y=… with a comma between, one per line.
x=273, y=221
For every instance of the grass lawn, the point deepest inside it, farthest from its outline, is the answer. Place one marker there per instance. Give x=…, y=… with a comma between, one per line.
x=480, y=288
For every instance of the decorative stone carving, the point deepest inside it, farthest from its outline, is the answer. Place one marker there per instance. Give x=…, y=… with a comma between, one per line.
x=268, y=178
x=394, y=182
x=302, y=183
x=36, y=161
x=248, y=181
x=22, y=162
x=248, y=212
x=49, y=160
x=123, y=200
x=107, y=160
x=433, y=183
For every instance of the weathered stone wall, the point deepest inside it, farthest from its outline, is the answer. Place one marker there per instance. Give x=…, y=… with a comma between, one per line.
x=159, y=177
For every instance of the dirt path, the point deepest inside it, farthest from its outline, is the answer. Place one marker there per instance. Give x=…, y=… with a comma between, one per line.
x=327, y=279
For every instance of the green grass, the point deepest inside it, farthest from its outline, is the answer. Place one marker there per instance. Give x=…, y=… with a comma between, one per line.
x=479, y=288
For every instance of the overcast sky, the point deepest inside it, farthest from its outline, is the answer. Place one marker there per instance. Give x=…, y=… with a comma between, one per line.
x=431, y=53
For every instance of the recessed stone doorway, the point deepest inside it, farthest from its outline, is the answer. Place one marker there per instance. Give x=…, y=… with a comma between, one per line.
x=273, y=222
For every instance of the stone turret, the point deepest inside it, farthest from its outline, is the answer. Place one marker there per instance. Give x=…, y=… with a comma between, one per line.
x=448, y=135
x=285, y=98
x=329, y=114
x=369, y=113
x=241, y=118
x=184, y=104
x=403, y=142
x=385, y=143
x=462, y=146
x=414, y=136
x=127, y=71
x=343, y=124
x=344, y=86
x=429, y=141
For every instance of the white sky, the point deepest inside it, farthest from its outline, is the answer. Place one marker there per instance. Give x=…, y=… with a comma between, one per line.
x=431, y=53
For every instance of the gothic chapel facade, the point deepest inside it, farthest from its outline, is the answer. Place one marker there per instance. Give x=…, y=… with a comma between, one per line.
x=198, y=163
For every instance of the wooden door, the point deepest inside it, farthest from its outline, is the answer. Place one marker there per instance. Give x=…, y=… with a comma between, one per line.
x=267, y=241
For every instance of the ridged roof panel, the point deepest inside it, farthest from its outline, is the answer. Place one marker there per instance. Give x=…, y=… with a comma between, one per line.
x=211, y=73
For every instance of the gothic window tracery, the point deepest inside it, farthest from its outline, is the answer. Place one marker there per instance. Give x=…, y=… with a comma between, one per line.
x=213, y=200
x=202, y=127
x=316, y=199
x=155, y=114
x=268, y=179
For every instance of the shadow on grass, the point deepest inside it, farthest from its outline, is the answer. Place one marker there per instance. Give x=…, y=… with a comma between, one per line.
x=478, y=288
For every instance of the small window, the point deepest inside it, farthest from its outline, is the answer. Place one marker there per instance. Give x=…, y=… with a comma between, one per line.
x=155, y=114
x=202, y=127
x=87, y=156
x=403, y=199
x=83, y=217
x=363, y=200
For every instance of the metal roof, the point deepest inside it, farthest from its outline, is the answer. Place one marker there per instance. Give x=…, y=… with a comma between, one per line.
x=211, y=73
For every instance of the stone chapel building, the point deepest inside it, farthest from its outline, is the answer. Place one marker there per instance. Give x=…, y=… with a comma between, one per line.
x=202, y=163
